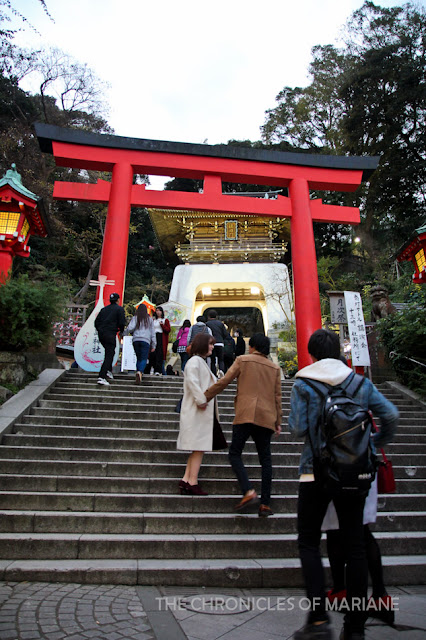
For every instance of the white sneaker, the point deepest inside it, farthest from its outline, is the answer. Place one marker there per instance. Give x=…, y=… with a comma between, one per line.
x=157, y=374
x=109, y=375
x=103, y=381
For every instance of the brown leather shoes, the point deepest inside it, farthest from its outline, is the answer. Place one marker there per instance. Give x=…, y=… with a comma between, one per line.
x=265, y=511
x=249, y=499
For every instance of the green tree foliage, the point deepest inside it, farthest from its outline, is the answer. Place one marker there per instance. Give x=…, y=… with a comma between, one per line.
x=27, y=310
x=384, y=91
x=404, y=336
x=309, y=118
x=366, y=98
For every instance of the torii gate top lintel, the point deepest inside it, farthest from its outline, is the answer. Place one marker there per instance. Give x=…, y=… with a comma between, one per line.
x=214, y=164
x=112, y=148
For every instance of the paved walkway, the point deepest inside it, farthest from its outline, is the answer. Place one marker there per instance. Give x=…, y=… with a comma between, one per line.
x=46, y=611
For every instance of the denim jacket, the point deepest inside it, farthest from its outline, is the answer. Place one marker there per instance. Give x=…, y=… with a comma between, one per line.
x=305, y=407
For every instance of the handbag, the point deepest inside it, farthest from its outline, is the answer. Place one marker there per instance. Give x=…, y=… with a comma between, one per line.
x=178, y=406
x=385, y=476
x=175, y=345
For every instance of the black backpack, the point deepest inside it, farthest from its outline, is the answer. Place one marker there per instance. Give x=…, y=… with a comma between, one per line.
x=343, y=457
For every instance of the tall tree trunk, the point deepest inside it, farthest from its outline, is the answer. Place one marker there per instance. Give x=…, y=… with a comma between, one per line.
x=80, y=296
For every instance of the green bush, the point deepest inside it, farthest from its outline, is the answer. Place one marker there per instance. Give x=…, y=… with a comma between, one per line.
x=27, y=310
x=404, y=337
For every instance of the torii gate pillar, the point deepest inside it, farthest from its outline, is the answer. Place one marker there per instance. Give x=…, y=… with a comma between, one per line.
x=116, y=236
x=307, y=308
x=214, y=165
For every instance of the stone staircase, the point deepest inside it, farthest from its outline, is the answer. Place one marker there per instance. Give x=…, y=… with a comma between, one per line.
x=88, y=493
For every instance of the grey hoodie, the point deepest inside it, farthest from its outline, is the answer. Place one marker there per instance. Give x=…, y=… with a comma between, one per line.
x=144, y=334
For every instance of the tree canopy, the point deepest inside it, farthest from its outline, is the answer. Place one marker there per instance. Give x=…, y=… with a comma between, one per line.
x=367, y=98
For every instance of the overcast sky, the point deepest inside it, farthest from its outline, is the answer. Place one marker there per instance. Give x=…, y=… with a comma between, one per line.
x=194, y=70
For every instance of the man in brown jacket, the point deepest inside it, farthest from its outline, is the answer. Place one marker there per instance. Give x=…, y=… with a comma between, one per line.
x=257, y=414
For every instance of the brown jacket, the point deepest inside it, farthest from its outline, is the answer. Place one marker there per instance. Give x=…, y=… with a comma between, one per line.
x=258, y=399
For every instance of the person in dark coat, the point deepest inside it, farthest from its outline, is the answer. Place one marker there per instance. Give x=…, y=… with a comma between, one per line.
x=240, y=348
x=228, y=352
x=219, y=334
x=109, y=320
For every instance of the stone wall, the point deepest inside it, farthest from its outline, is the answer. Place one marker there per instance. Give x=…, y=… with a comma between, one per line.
x=22, y=367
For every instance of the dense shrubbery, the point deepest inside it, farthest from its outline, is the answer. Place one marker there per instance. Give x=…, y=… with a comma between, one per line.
x=27, y=310
x=404, y=337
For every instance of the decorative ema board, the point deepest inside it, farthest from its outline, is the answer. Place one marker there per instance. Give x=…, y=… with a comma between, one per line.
x=88, y=351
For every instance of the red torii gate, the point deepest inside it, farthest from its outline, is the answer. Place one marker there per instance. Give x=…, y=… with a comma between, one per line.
x=298, y=172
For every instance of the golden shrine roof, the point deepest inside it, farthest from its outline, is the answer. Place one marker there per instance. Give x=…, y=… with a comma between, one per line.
x=177, y=227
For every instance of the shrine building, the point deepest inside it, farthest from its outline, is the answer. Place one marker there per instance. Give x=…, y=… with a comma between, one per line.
x=228, y=261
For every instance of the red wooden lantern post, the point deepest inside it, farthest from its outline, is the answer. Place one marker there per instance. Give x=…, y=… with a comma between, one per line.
x=21, y=215
x=214, y=165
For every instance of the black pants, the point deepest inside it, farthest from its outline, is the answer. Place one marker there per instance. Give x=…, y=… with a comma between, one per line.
x=217, y=353
x=108, y=341
x=336, y=555
x=262, y=439
x=312, y=505
x=156, y=357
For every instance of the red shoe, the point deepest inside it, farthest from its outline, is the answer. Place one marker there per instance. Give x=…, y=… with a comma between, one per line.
x=336, y=595
x=382, y=609
x=183, y=487
x=195, y=490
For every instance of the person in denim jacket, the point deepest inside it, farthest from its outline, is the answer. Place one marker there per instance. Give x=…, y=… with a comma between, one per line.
x=305, y=408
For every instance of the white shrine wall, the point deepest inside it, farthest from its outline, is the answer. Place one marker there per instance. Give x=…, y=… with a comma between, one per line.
x=189, y=279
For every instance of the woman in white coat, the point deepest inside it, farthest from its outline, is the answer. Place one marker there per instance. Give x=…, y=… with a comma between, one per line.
x=199, y=428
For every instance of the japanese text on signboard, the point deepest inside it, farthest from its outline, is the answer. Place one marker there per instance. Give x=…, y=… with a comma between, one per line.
x=356, y=326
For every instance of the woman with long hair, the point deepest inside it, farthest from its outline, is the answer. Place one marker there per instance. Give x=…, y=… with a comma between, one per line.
x=162, y=330
x=199, y=428
x=141, y=327
x=182, y=336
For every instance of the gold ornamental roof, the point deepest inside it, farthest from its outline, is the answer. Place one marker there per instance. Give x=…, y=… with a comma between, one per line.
x=201, y=236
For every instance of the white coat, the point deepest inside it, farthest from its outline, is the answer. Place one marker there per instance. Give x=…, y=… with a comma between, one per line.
x=196, y=425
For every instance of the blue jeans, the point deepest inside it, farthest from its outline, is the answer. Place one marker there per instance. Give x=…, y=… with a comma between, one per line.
x=142, y=352
x=184, y=357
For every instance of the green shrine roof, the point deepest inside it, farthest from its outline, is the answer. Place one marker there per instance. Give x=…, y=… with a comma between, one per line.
x=14, y=180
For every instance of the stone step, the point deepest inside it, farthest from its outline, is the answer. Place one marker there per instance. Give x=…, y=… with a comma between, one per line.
x=54, y=546
x=230, y=572
x=147, y=402
x=76, y=486
x=415, y=435
x=153, y=523
x=161, y=413
x=165, y=455
x=156, y=441
x=156, y=485
x=170, y=469
x=159, y=503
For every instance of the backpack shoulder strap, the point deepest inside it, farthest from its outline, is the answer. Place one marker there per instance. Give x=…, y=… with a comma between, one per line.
x=353, y=384
x=321, y=388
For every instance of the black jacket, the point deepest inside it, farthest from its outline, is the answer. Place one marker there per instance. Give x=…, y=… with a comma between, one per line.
x=240, y=349
x=218, y=330
x=110, y=319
